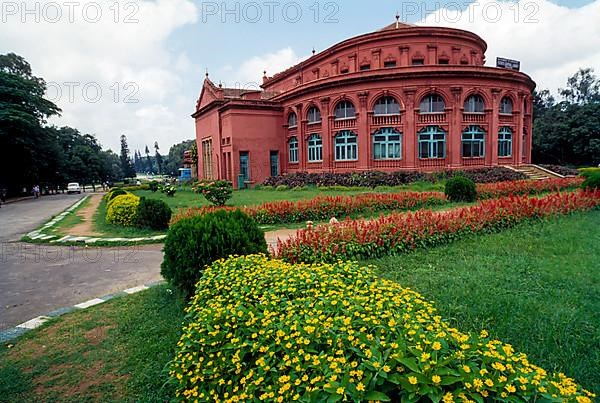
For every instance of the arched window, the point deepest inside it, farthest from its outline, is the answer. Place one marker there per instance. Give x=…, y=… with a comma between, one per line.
x=386, y=106
x=432, y=103
x=346, y=146
x=292, y=120
x=314, y=115
x=505, y=142
x=387, y=144
x=344, y=110
x=293, y=149
x=475, y=104
x=473, y=142
x=432, y=142
x=506, y=106
x=315, y=148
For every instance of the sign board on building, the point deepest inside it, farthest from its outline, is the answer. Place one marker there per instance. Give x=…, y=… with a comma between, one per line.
x=508, y=63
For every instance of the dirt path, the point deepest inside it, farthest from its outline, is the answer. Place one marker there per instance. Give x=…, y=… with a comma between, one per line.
x=86, y=227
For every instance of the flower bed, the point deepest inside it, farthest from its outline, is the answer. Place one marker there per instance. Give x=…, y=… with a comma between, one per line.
x=376, y=178
x=325, y=207
x=400, y=233
x=514, y=188
x=561, y=170
x=260, y=329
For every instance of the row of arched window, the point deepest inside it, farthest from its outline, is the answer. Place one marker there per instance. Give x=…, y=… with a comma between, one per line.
x=388, y=105
x=387, y=144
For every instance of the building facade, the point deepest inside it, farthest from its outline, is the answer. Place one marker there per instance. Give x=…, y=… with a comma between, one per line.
x=401, y=98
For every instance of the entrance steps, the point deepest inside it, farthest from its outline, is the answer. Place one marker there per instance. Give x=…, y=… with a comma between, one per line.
x=535, y=172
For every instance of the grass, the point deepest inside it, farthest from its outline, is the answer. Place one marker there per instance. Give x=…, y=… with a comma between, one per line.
x=186, y=198
x=71, y=219
x=116, y=351
x=536, y=287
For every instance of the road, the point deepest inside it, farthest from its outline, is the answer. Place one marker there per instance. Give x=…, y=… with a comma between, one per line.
x=37, y=279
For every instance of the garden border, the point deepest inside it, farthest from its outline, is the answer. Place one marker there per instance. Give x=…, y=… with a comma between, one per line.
x=19, y=330
x=39, y=235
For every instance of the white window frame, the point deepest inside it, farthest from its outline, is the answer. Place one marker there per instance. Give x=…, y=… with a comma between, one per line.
x=385, y=148
x=346, y=146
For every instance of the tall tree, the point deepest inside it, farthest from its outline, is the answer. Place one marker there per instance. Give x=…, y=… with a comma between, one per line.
x=24, y=140
x=126, y=163
x=158, y=157
x=175, y=157
x=148, y=160
x=582, y=88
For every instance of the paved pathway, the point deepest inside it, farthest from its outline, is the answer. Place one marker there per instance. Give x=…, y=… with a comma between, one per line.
x=36, y=279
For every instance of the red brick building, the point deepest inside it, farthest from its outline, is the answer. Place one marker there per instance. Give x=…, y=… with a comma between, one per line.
x=401, y=98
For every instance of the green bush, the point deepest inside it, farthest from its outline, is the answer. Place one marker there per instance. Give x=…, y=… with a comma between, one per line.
x=169, y=190
x=217, y=192
x=153, y=214
x=194, y=242
x=585, y=172
x=282, y=188
x=260, y=329
x=153, y=186
x=115, y=192
x=459, y=188
x=122, y=210
x=592, y=181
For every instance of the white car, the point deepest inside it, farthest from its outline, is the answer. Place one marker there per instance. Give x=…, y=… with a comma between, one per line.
x=73, y=187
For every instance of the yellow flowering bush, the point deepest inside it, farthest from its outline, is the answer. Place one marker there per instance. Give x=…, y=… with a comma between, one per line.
x=265, y=330
x=122, y=210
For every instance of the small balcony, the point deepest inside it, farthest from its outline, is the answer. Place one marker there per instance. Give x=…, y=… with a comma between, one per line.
x=474, y=117
x=429, y=118
x=386, y=120
x=312, y=127
x=346, y=123
x=506, y=119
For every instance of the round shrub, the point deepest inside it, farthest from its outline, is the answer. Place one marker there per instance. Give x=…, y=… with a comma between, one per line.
x=192, y=243
x=459, y=188
x=260, y=329
x=592, y=181
x=153, y=186
x=153, y=214
x=122, y=210
x=216, y=192
x=115, y=192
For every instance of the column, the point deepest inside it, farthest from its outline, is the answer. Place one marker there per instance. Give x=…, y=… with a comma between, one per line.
x=494, y=128
x=455, y=130
x=364, y=137
x=518, y=136
x=410, y=130
x=300, y=134
x=326, y=136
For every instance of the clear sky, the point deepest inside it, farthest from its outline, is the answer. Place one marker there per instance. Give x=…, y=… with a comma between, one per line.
x=136, y=67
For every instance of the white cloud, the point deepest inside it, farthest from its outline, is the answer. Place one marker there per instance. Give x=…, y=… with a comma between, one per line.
x=551, y=41
x=109, y=54
x=250, y=72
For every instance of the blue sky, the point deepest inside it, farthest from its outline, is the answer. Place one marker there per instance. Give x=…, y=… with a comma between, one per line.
x=160, y=59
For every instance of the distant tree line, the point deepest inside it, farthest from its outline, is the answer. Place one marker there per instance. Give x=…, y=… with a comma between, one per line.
x=34, y=153
x=567, y=131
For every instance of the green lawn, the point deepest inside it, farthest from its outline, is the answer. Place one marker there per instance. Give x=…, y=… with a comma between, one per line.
x=115, y=352
x=535, y=286
x=186, y=198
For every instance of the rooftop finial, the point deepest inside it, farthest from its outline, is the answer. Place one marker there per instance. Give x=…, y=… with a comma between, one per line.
x=397, y=19
x=206, y=74
x=314, y=51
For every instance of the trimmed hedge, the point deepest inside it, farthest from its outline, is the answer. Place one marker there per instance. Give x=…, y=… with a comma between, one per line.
x=154, y=214
x=114, y=192
x=194, y=242
x=122, y=210
x=460, y=189
x=260, y=329
x=373, y=179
